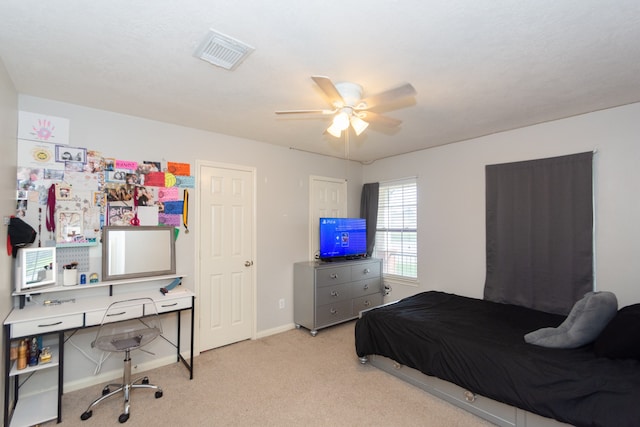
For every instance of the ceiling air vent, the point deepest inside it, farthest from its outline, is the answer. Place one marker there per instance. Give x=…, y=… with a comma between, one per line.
x=222, y=50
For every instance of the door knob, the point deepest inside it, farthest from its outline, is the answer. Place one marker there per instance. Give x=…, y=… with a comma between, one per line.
x=248, y=263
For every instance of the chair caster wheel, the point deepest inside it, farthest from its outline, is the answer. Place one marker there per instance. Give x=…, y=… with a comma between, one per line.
x=86, y=415
x=145, y=380
x=123, y=418
x=106, y=391
x=158, y=394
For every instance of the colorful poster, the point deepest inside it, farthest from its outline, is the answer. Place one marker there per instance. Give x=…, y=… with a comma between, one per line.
x=126, y=164
x=182, y=169
x=166, y=194
x=186, y=181
x=169, y=179
x=37, y=155
x=173, y=207
x=168, y=219
x=148, y=166
x=43, y=128
x=95, y=162
x=119, y=213
x=154, y=179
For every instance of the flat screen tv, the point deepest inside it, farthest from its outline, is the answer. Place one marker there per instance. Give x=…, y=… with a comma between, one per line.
x=342, y=238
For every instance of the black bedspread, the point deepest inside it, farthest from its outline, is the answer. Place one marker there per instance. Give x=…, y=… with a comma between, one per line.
x=479, y=345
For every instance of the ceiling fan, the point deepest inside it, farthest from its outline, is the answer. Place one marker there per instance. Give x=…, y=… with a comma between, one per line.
x=349, y=108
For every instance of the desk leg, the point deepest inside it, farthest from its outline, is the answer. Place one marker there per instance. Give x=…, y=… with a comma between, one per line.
x=7, y=367
x=179, y=313
x=189, y=365
x=193, y=312
x=60, y=374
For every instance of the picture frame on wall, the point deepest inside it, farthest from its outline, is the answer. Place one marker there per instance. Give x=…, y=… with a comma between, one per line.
x=70, y=154
x=69, y=227
x=63, y=191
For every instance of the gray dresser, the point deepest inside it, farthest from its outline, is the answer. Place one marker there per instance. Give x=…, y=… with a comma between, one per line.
x=328, y=293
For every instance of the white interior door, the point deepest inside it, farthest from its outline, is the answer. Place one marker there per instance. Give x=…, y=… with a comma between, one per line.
x=328, y=199
x=226, y=248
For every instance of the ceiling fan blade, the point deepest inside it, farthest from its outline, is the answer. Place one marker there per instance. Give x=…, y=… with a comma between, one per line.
x=306, y=112
x=329, y=90
x=372, y=117
x=388, y=96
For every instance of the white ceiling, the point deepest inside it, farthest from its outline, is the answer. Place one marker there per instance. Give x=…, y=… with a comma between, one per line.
x=479, y=66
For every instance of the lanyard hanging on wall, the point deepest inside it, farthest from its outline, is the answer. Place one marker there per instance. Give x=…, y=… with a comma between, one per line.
x=51, y=209
x=185, y=211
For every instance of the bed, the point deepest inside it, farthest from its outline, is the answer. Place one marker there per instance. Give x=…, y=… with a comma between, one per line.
x=472, y=353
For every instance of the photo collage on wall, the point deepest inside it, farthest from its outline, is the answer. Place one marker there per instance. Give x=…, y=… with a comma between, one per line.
x=68, y=193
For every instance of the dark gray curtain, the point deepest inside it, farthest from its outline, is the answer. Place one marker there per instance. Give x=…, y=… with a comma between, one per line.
x=540, y=232
x=369, y=211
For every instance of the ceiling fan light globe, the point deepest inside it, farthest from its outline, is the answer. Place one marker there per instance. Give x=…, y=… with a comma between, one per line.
x=341, y=120
x=358, y=125
x=334, y=131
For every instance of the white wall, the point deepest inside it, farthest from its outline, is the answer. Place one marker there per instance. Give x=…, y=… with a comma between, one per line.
x=282, y=195
x=450, y=186
x=451, y=198
x=8, y=129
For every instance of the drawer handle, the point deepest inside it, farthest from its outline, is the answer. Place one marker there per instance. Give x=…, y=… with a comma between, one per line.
x=169, y=305
x=333, y=311
x=367, y=303
x=334, y=275
x=116, y=314
x=469, y=396
x=335, y=293
x=367, y=271
x=366, y=286
x=50, y=324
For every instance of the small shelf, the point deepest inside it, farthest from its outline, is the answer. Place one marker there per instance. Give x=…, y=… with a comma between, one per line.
x=59, y=288
x=39, y=367
x=77, y=245
x=35, y=409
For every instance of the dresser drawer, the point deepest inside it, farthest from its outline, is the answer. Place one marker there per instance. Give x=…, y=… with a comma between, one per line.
x=365, y=287
x=333, y=275
x=366, y=302
x=37, y=327
x=332, y=313
x=172, y=304
x=365, y=270
x=125, y=313
x=331, y=294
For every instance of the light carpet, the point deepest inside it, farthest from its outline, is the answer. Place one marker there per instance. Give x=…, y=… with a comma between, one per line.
x=288, y=379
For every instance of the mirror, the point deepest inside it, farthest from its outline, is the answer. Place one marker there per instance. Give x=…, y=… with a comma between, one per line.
x=35, y=267
x=130, y=252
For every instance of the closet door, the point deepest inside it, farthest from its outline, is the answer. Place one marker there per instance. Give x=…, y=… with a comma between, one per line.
x=226, y=249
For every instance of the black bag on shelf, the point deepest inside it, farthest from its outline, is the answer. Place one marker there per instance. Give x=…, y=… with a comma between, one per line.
x=19, y=235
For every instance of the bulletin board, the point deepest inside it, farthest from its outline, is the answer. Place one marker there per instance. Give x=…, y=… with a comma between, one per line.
x=67, y=192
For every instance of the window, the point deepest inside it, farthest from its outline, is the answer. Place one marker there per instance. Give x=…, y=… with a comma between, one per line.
x=397, y=229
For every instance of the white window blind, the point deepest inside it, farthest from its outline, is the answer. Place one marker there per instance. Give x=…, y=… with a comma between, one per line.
x=397, y=228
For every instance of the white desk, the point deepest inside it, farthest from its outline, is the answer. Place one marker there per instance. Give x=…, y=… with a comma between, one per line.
x=34, y=320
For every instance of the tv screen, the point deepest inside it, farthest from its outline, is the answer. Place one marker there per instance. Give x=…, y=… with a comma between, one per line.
x=342, y=238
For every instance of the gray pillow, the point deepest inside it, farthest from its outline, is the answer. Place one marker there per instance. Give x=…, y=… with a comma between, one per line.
x=588, y=317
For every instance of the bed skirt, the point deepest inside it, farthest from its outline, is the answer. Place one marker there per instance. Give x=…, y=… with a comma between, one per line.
x=493, y=411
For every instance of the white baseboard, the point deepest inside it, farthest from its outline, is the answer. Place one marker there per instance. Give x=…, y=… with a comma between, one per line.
x=116, y=374
x=273, y=331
